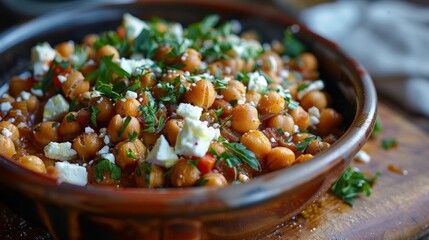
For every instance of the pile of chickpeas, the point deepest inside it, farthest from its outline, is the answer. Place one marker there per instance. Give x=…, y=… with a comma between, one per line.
x=262, y=122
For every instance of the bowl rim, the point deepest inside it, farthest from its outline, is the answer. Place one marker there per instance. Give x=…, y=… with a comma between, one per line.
x=267, y=186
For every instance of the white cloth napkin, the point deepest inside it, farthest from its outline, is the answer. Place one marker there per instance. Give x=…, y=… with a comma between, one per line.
x=390, y=38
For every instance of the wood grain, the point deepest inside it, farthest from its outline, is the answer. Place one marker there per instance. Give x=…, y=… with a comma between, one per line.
x=397, y=209
x=399, y=205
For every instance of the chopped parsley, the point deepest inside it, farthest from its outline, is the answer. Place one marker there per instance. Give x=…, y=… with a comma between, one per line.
x=104, y=72
x=304, y=144
x=124, y=126
x=352, y=183
x=71, y=118
x=389, y=143
x=130, y=154
x=93, y=110
x=293, y=47
x=239, y=153
x=103, y=166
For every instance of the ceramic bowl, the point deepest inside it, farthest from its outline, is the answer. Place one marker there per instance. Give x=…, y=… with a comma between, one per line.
x=237, y=211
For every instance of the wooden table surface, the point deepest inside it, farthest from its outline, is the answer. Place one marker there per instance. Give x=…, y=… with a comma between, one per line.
x=397, y=209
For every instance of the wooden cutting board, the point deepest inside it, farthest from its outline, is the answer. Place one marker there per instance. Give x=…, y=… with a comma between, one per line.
x=397, y=209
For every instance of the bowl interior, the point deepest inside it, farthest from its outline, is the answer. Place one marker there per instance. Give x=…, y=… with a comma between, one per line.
x=351, y=90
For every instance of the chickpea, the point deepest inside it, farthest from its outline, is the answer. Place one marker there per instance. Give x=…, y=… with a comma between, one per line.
x=191, y=60
x=256, y=142
x=280, y=157
x=184, y=174
x=301, y=118
x=8, y=147
x=272, y=102
x=226, y=107
x=235, y=90
x=83, y=117
x=117, y=131
x=149, y=139
x=90, y=39
x=233, y=65
x=303, y=158
x=244, y=118
x=33, y=104
x=127, y=107
x=308, y=61
x=214, y=180
x=300, y=137
x=171, y=130
x=316, y=146
x=128, y=153
x=32, y=163
x=156, y=175
x=253, y=96
x=12, y=128
x=329, y=120
x=283, y=122
x=271, y=62
x=87, y=145
x=201, y=94
x=107, y=50
x=314, y=98
x=17, y=85
x=148, y=80
x=69, y=127
x=171, y=75
x=65, y=49
x=161, y=54
x=105, y=107
x=46, y=132
x=75, y=85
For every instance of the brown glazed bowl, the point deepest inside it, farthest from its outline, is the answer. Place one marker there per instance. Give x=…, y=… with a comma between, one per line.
x=233, y=212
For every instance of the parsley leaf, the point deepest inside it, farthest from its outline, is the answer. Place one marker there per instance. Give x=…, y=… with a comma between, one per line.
x=104, y=165
x=124, y=126
x=239, y=153
x=105, y=70
x=81, y=55
x=351, y=183
x=389, y=143
x=93, y=110
x=304, y=144
x=55, y=67
x=293, y=47
x=130, y=154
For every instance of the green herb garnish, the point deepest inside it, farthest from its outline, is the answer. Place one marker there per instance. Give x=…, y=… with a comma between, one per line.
x=293, y=47
x=130, y=154
x=389, y=143
x=304, y=144
x=351, y=183
x=124, y=126
x=377, y=128
x=93, y=110
x=104, y=165
x=242, y=154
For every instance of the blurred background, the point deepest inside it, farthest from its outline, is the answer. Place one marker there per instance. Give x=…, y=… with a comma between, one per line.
x=389, y=37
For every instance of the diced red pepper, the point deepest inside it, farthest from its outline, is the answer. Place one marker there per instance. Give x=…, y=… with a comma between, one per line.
x=206, y=163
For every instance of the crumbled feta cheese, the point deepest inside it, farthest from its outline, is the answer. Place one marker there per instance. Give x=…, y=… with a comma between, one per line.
x=62, y=78
x=25, y=95
x=55, y=108
x=60, y=151
x=109, y=156
x=103, y=132
x=5, y=106
x=22, y=125
x=314, y=111
x=273, y=63
x=94, y=94
x=162, y=154
x=295, y=128
x=194, y=138
x=243, y=178
x=316, y=85
x=363, y=156
x=131, y=95
x=106, y=139
x=89, y=130
x=71, y=173
x=5, y=132
x=42, y=53
x=257, y=82
x=103, y=150
x=12, y=120
x=187, y=110
x=235, y=26
x=37, y=92
x=314, y=120
x=133, y=25
x=134, y=67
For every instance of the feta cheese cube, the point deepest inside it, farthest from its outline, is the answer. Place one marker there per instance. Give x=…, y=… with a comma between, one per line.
x=187, y=110
x=133, y=25
x=103, y=150
x=257, y=82
x=131, y=95
x=89, y=130
x=71, y=173
x=25, y=95
x=42, y=53
x=37, y=92
x=60, y=151
x=162, y=154
x=5, y=106
x=194, y=138
x=109, y=156
x=55, y=108
x=134, y=67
